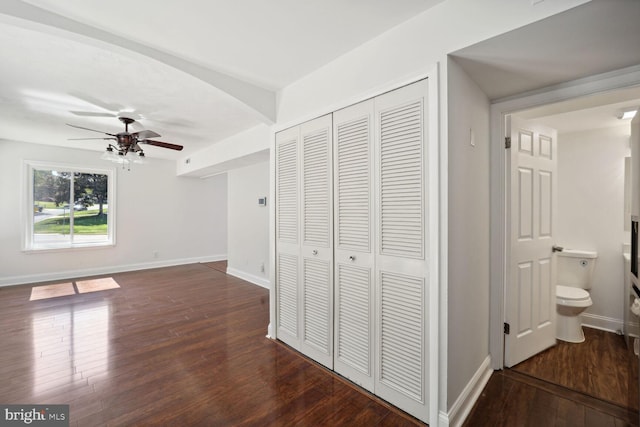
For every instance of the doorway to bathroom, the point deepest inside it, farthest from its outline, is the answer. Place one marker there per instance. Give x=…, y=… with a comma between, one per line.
x=592, y=146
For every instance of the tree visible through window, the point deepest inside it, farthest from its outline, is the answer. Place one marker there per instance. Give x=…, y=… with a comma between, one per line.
x=70, y=208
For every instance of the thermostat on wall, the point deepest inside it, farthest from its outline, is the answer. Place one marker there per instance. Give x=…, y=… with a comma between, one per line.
x=262, y=201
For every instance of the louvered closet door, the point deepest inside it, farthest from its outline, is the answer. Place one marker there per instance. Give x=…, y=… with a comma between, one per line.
x=400, y=266
x=353, y=189
x=288, y=236
x=317, y=241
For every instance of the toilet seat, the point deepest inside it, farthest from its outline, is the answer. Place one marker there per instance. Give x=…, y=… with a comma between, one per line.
x=572, y=297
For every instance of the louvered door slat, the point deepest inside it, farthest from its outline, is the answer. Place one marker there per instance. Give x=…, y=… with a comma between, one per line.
x=287, y=191
x=401, y=353
x=352, y=174
x=317, y=241
x=401, y=173
x=354, y=347
x=316, y=304
x=401, y=262
x=353, y=183
x=288, y=293
x=287, y=237
x=316, y=188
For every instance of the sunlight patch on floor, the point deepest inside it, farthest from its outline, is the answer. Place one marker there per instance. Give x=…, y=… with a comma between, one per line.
x=95, y=285
x=66, y=289
x=52, y=291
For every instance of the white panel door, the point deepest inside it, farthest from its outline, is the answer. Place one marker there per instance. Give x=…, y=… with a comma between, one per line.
x=316, y=320
x=354, y=276
x=530, y=293
x=287, y=236
x=401, y=354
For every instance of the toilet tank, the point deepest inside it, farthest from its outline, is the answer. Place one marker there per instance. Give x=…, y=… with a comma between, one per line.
x=575, y=268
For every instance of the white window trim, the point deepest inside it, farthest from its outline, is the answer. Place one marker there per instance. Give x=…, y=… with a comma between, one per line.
x=27, y=206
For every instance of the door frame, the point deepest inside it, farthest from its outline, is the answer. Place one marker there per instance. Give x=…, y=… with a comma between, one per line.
x=499, y=246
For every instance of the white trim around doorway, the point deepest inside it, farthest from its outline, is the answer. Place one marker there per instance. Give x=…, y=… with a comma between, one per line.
x=619, y=79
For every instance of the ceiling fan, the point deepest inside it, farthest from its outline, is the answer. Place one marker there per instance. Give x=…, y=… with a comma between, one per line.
x=128, y=142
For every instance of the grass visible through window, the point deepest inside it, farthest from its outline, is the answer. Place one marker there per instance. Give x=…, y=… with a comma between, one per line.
x=86, y=222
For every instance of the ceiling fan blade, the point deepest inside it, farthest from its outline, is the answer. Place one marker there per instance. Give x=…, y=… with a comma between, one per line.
x=162, y=144
x=86, y=139
x=92, y=130
x=91, y=114
x=144, y=134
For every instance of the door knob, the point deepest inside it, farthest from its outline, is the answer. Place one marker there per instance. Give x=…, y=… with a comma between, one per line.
x=315, y=252
x=352, y=258
x=555, y=248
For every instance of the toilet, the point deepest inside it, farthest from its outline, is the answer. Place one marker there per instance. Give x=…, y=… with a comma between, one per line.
x=574, y=273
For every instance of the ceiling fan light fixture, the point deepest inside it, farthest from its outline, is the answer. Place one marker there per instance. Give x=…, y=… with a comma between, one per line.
x=109, y=154
x=128, y=142
x=141, y=159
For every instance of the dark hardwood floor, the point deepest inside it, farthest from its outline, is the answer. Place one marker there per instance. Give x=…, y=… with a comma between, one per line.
x=177, y=346
x=513, y=399
x=594, y=383
x=186, y=346
x=602, y=366
x=217, y=265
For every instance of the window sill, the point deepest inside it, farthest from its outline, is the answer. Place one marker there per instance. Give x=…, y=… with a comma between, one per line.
x=71, y=248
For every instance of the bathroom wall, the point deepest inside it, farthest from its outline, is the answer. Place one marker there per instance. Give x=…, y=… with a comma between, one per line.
x=591, y=212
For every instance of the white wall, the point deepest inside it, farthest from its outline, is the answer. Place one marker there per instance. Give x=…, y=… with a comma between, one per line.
x=399, y=56
x=243, y=149
x=183, y=219
x=248, y=254
x=405, y=52
x=591, y=212
x=468, y=272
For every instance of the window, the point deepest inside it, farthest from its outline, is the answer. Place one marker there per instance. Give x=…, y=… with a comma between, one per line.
x=68, y=207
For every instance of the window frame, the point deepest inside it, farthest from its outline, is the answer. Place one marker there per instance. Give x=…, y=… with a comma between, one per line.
x=28, y=244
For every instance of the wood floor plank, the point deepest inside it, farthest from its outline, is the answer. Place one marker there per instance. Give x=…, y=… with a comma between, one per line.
x=602, y=367
x=511, y=398
x=180, y=345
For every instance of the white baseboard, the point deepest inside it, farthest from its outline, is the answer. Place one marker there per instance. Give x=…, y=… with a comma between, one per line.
x=603, y=323
x=464, y=403
x=70, y=274
x=251, y=278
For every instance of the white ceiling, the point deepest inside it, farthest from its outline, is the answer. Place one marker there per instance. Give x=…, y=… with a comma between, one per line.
x=197, y=72
x=596, y=111
x=194, y=72
x=597, y=37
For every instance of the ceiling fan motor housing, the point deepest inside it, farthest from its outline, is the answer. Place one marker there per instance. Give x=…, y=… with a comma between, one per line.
x=128, y=142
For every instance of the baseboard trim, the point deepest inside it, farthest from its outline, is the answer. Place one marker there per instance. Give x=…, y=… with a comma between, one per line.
x=464, y=403
x=603, y=323
x=251, y=278
x=71, y=274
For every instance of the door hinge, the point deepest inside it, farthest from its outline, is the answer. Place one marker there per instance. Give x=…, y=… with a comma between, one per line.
x=507, y=142
x=507, y=328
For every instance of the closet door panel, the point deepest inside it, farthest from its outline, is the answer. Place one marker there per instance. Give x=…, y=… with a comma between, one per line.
x=401, y=263
x=287, y=237
x=353, y=189
x=317, y=240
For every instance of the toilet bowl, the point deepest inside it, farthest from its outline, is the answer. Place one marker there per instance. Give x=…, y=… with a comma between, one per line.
x=574, y=272
x=570, y=303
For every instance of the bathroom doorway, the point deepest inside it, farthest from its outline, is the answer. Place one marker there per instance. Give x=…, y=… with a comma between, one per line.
x=591, y=216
